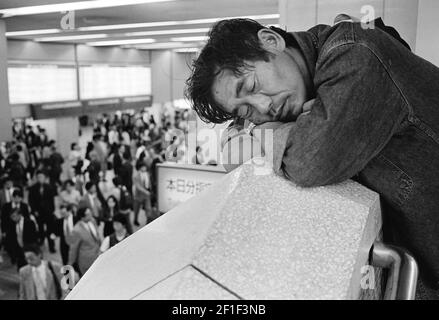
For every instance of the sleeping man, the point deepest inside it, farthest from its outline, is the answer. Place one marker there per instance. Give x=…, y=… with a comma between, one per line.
x=345, y=102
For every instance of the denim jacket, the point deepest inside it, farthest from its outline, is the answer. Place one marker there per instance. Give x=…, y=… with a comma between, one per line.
x=375, y=119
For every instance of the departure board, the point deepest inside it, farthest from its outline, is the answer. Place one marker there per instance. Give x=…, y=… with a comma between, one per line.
x=104, y=81
x=36, y=83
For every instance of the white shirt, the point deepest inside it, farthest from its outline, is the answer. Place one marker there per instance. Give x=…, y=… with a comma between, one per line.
x=19, y=230
x=145, y=179
x=68, y=225
x=39, y=276
x=106, y=243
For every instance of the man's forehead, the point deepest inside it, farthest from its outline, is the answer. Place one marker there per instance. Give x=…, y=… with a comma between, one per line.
x=223, y=86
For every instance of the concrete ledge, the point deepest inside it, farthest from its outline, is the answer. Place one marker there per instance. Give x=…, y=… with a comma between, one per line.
x=252, y=235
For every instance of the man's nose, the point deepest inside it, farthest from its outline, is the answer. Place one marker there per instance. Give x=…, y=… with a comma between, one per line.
x=261, y=103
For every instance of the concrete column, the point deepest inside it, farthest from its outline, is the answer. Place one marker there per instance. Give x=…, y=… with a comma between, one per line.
x=5, y=107
x=297, y=15
x=427, y=42
x=63, y=130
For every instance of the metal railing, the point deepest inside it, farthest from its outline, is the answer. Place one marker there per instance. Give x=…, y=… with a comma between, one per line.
x=403, y=270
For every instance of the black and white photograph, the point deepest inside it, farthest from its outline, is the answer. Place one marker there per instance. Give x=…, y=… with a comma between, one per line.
x=219, y=158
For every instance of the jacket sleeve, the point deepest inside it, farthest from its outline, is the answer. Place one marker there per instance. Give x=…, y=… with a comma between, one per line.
x=74, y=247
x=357, y=109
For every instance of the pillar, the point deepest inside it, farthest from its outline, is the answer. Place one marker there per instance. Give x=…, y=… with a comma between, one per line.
x=5, y=108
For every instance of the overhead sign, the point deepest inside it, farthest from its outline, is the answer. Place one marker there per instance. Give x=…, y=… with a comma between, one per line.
x=78, y=108
x=178, y=183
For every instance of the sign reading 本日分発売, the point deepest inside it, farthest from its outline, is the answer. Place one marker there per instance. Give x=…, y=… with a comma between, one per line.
x=178, y=183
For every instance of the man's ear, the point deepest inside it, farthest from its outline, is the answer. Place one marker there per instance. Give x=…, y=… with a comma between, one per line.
x=271, y=40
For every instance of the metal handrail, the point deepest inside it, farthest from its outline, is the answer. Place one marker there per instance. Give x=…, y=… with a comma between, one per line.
x=403, y=270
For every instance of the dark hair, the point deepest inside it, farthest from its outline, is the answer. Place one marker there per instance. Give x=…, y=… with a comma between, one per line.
x=68, y=182
x=81, y=212
x=140, y=164
x=121, y=218
x=114, y=199
x=17, y=193
x=33, y=247
x=40, y=172
x=15, y=157
x=231, y=43
x=88, y=185
x=117, y=181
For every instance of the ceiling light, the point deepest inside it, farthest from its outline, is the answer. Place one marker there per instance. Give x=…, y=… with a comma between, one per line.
x=162, y=45
x=119, y=42
x=165, y=32
x=71, y=6
x=184, y=39
x=172, y=23
x=31, y=32
x=187, y=50
x=67, y=38
x=139, y=25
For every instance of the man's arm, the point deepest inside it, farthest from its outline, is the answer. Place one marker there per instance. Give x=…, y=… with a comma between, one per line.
x=357, y=109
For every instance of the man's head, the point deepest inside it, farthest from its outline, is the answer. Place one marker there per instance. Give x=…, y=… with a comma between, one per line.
x=69, y=185
x=65, y=210
x=90, y=188
x=41, y=177
x=84, y=214
x=7, y=183
x=248, y=71
x=17, y=196
x=33, y=255
x=141, y=166
x=120, y=222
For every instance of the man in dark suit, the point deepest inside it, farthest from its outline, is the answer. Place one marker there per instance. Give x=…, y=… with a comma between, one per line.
x=126, y=173
x=42, y=202
x=23, y=231
x=63, y=228
x=7, y=224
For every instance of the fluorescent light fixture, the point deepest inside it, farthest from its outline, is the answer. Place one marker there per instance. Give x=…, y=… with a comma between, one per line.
x=71, y=6
x=185, y=39
x=119, y=42
x=139, y=25
x=173, y=23
x=77, y=37
x=187, y=50
x=165, y=32
x=31, y=32
x=161, y=45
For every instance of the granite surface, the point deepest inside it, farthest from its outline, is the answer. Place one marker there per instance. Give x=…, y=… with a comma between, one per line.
x=252, y=235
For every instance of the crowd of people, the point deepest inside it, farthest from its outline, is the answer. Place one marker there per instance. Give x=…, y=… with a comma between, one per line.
x=90, y=199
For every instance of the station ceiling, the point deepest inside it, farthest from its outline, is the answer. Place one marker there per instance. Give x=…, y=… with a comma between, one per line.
x=176, y=19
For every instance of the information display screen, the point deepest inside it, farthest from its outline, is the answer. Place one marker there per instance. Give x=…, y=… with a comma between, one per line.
x=103, y=81
x=41, y=83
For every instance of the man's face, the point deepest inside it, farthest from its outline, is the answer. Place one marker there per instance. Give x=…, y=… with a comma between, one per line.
x=32, y=258
x=41, y=178
x=87, y=216
x=267, y=91
x=117, y=226
x=92, y=190
x=9, y=184
x=64, y=213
